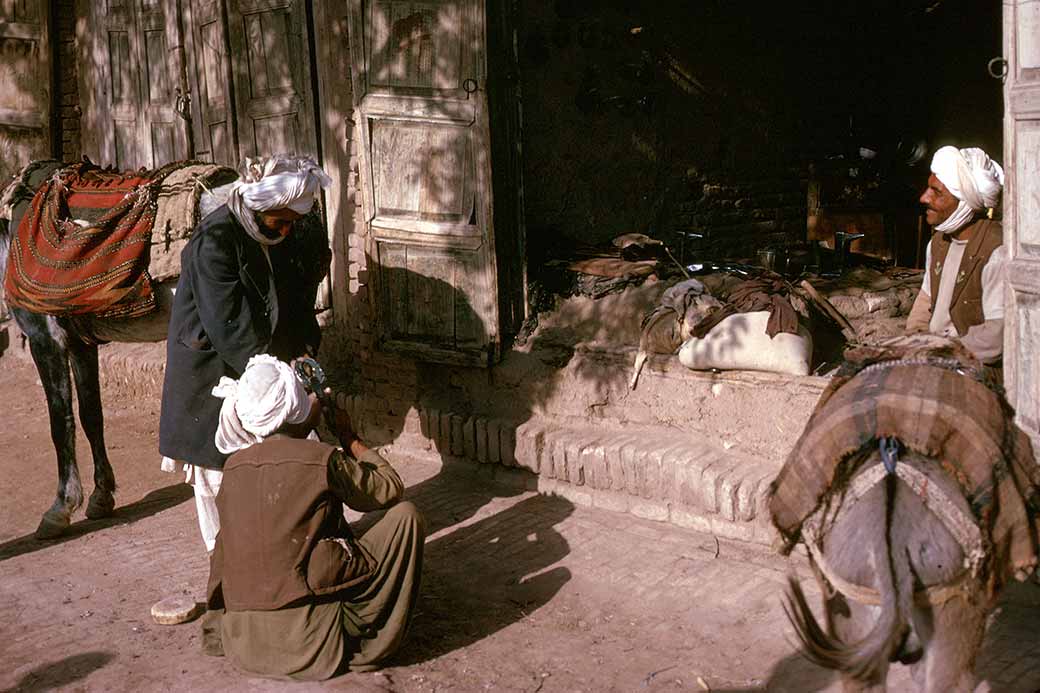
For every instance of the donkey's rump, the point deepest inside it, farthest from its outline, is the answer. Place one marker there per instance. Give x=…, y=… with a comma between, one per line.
x=85, y=242
x=930, y=402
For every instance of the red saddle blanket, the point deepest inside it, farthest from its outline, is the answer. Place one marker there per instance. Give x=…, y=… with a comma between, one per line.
x=935, y=407
x=82, y=246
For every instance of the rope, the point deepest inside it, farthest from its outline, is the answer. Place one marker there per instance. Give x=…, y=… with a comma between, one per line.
x=960, y=524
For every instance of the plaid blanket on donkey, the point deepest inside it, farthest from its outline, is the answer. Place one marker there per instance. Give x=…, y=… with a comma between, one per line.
x=60, y=267
x=937, y=403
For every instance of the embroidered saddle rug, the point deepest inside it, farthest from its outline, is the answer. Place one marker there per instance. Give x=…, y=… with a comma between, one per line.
x=84, y=244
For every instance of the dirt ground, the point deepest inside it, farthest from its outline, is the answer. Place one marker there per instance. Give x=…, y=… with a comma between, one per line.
x=521, y=592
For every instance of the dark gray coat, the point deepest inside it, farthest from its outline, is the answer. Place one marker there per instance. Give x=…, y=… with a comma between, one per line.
x=227, y=309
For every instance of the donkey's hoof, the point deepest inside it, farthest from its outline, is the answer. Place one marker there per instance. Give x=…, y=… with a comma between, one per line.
x=100, y=505
x=52, y=526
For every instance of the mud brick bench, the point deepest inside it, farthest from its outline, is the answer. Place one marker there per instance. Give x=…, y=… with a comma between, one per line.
x=695, y=449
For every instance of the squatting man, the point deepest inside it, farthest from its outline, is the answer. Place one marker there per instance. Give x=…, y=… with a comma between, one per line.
x=963, y=291
x=292, y=593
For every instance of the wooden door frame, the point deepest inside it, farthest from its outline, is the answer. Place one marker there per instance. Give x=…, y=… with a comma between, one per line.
x=1022, y=293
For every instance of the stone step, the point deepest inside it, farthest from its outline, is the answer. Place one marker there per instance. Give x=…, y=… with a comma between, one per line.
x=656, y=473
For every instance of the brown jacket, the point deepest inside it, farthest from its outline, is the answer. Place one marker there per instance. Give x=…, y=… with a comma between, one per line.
x=283, y=539
x=966, y=302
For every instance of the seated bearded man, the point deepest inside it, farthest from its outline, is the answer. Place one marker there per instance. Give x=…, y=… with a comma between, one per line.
x=963, y=291
x=292, y=593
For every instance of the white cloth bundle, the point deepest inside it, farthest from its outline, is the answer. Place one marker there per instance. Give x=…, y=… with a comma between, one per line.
x=970, y=176
x=277, y=182
x=740, y=342
x=256, y=405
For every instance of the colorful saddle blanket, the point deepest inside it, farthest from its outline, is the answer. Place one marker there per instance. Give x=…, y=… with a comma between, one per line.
x=939, y=404
x=82, y=246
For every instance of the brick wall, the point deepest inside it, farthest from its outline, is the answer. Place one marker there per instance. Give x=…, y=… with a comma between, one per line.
x=67, y=96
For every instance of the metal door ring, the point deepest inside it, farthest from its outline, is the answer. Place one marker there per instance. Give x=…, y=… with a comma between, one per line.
x=996, y=64
x=469, y=86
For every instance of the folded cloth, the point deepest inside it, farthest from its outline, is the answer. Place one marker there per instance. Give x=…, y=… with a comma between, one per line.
x=751, y=296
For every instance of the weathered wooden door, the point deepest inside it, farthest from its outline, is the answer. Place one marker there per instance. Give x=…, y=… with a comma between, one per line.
x=130, y=75
x=420, y=93
x=272, y=77
x=25, y=89
x=25, y=83
x=1022, y=210
x=209, y=77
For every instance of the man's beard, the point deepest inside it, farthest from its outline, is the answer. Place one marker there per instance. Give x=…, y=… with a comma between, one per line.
x=267, y=232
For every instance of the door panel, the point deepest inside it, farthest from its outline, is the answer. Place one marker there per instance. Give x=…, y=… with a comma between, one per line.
x=132, y=76
x=425, y=175
x=25, y=89
x=25, y=83
x=209, y=76
x=271, y=67
x=1021, y=210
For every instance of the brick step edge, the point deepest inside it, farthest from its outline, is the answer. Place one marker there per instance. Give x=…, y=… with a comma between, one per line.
x=653, y=473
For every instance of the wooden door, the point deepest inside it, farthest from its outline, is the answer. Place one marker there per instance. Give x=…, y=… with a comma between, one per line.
x=25, y=90
x=209, y=77
x=1022, y=210
x=129, y=80
x=424, y=157
x=272, y=77
x=25, y=84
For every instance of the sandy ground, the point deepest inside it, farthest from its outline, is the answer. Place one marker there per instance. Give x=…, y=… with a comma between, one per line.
x=521, y=592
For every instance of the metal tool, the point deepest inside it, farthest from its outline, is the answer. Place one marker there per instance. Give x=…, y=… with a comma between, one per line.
x=312, y=375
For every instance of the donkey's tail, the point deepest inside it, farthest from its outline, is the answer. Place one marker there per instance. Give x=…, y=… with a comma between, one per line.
x=865, y=660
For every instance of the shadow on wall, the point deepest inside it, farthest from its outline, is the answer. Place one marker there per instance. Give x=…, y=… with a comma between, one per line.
x=478, y=576
x=446, y=408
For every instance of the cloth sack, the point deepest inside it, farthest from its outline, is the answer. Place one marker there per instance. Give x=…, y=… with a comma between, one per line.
x=740, y=342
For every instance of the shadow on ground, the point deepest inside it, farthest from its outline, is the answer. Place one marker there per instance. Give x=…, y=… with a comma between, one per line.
x=153, y=503
x=56, y=675
x=483, y=576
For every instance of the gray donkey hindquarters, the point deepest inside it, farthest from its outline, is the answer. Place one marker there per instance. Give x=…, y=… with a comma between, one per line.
x=891, y=543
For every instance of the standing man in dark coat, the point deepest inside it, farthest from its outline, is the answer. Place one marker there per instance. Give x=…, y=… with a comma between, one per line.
x=247, y=287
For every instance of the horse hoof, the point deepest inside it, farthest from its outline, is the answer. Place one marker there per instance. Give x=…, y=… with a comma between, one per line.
x=52, y=526
x=100, y=505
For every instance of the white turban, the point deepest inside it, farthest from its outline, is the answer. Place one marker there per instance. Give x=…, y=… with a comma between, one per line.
x=267, y=396
x=277, y=182
x=970, y=176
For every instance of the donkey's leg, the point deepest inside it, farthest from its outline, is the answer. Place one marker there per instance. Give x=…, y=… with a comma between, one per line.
x=949, y=661
x=84, y=359
x=52, y=363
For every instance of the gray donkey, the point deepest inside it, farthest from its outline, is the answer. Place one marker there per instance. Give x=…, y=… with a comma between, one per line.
x=65, y=349
x=895, y=587
x=916, y=496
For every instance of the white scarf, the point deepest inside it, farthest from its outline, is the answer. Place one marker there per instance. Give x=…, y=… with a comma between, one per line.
x=267, y=396
x=277, y=182
x=970, y=176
